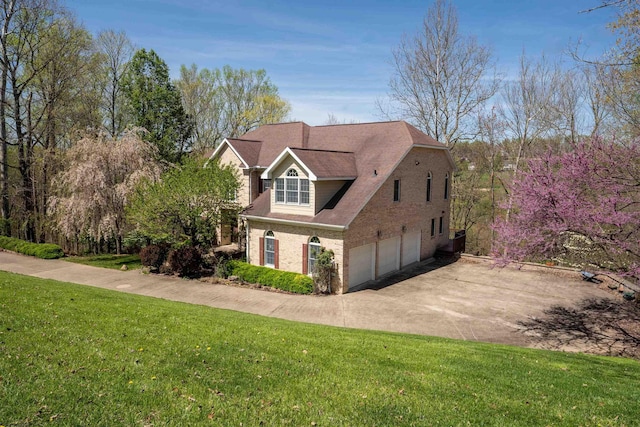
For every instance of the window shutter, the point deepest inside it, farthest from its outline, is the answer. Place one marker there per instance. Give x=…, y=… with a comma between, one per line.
x=261, y=251
x=276, y=248
x=305, y=258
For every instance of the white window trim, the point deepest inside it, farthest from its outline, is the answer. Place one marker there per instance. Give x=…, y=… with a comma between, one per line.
x=285, y=191
x=309, y=252
x=269, y=236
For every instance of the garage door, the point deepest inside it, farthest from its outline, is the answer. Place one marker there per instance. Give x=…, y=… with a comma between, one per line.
x=361, y=267
x=388, y=255
x=410, y=248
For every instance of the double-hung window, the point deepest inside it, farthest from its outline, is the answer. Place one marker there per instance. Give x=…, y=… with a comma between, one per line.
x=429, y=179
x=269, y=249
x=279, y=190
x=293, y=187
x=304, y=191
x=292, y=190
x=314, y=251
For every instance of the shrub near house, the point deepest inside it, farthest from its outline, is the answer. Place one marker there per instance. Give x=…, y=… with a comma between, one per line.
x=284, y=280
x=39, y=250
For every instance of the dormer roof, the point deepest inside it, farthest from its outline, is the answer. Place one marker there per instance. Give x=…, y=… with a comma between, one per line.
x=319, y=165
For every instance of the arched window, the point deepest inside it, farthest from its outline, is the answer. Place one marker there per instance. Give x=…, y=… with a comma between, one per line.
x=446, y=186
x=292, y=189
x=269, y=249
x=429, y=179
x=314, y=251
x=293, y=186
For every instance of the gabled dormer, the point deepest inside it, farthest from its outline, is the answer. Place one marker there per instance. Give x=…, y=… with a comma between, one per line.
x=303, y=181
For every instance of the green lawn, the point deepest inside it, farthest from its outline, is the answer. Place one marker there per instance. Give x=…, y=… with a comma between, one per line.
x=108, y=261
x=76, y=355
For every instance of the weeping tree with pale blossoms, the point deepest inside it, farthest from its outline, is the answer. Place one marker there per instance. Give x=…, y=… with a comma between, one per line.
x=581, y=207
x=101, y=174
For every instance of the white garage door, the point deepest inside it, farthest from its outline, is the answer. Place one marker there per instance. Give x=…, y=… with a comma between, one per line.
x=388, y=255
x=410, y=248
x=361, y=266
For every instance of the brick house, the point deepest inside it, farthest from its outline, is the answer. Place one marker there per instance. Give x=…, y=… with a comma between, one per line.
x=377, y=194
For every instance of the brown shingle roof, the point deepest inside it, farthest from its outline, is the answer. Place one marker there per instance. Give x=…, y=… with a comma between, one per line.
x=376, y=149
x=328, y=164
x=249, y=150
x=277, y=138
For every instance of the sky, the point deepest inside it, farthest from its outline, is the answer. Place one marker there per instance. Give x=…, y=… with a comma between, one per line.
x=334, y=57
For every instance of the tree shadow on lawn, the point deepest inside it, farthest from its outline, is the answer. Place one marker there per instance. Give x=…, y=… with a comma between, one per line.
x=599, y=326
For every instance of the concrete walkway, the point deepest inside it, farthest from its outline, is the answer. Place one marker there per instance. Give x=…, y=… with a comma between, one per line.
x=462, y=300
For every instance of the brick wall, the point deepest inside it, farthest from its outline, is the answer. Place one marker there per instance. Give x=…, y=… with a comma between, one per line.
x=290, y=240
x=383, y=218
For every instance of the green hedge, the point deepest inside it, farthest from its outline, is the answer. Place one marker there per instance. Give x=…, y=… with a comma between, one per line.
x=285, y=280
x=39, y=250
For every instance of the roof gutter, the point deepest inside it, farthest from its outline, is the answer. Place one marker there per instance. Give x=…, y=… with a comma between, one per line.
x=331, y=227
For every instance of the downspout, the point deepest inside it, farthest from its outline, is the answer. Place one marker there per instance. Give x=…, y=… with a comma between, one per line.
x=250, y=192
x=246, y=245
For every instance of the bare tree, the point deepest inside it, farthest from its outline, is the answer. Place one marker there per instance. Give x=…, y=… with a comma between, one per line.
x=570, y=97
x=332, y=119
x=529, y=108
x=116, y=50
x=614, y=79
x=491, y=133
x=595, y=77
x=441, y=79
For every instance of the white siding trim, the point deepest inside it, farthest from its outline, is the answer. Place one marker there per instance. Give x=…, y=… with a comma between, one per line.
x=292, y=222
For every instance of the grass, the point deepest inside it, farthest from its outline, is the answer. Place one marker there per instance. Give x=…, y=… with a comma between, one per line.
x=76, y=355
x=108, y=261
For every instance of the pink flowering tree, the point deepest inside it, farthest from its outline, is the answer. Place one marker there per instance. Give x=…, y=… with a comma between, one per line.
x=581, y=207
x=101, y=174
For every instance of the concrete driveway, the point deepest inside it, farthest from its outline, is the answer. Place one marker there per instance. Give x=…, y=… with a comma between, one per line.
x=463, y=300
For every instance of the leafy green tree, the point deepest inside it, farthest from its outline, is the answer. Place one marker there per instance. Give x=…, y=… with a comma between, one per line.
x=186, y=205
x=60, y=105
x=228, y=102
x=155, y=105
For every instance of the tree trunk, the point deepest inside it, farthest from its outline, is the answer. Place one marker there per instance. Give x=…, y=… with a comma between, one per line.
x=24, y=163
x=4, y=172
x=5, y=209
